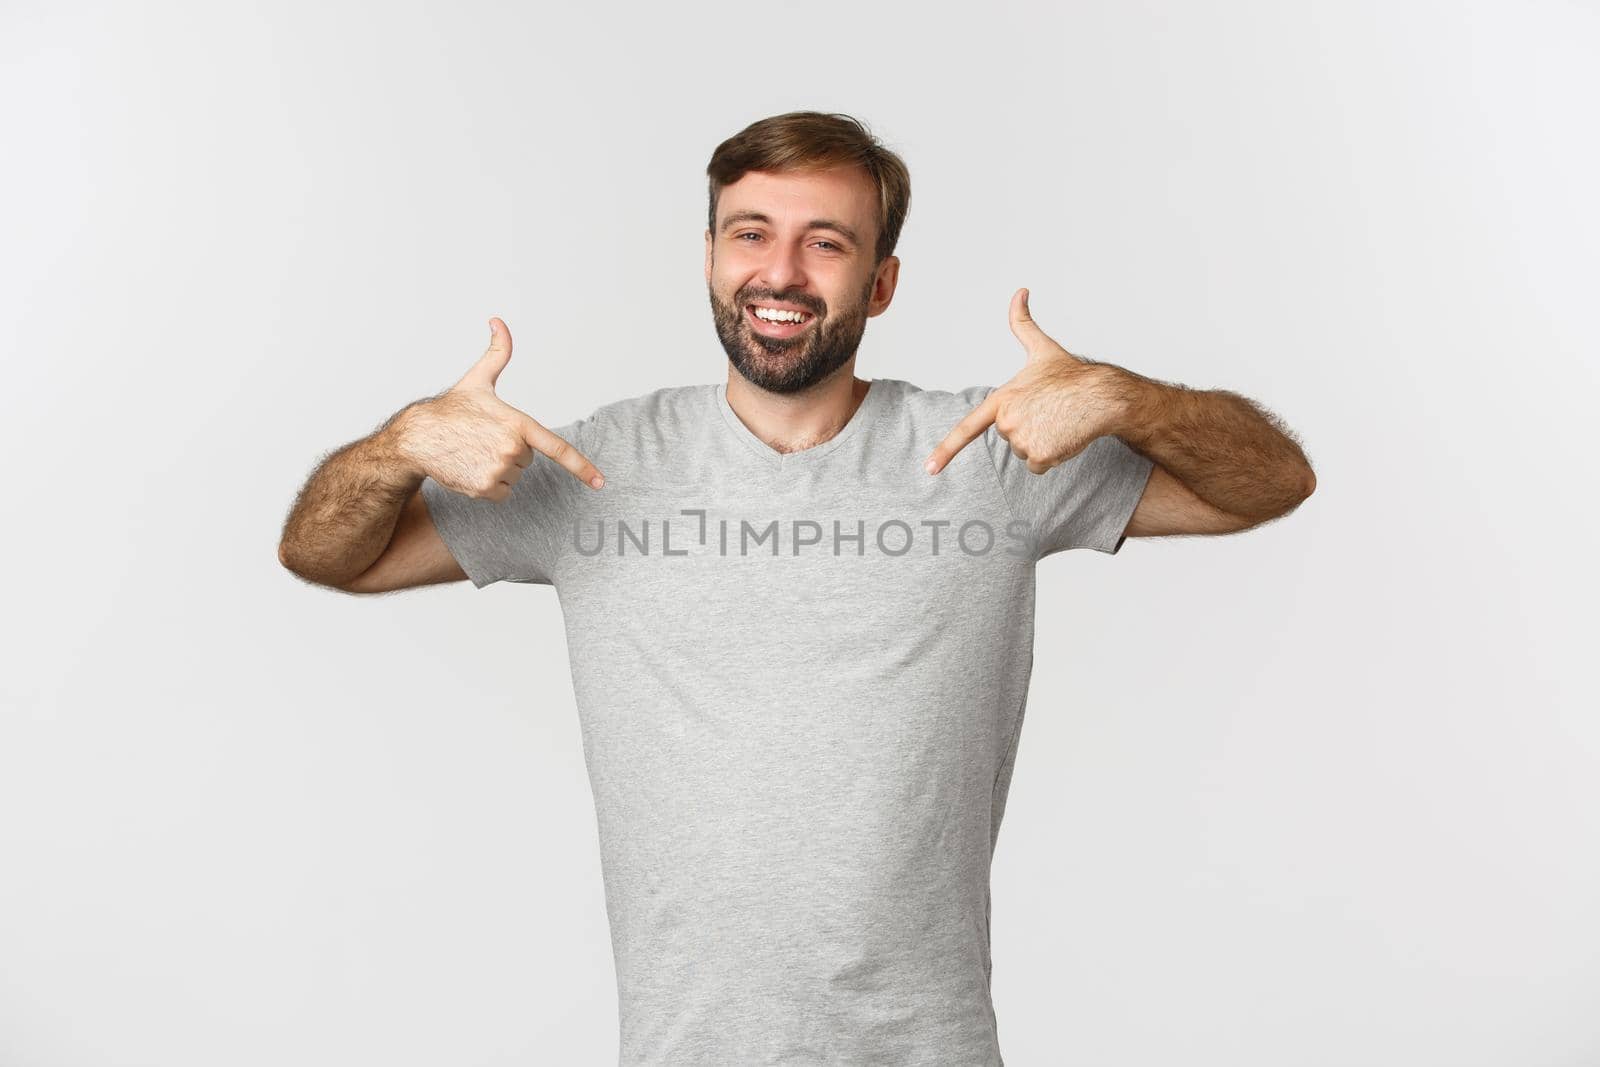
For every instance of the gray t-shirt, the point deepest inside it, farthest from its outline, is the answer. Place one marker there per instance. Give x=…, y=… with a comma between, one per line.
x=801, y=680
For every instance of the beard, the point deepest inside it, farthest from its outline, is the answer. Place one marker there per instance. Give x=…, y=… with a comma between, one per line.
x=789, y=364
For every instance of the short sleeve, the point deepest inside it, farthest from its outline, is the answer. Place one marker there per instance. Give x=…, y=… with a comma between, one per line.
x=515, y=539
x=1085, y=502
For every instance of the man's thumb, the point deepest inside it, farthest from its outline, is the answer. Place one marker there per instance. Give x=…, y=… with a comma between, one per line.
x=486, y=372
x=1023, y=328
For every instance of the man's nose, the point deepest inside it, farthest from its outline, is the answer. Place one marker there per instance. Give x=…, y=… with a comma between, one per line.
x=783, y=269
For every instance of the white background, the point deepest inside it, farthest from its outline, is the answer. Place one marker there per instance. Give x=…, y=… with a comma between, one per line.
x=1323, y=793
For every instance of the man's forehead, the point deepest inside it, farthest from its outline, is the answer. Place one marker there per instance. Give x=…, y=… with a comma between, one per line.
x=840, y=192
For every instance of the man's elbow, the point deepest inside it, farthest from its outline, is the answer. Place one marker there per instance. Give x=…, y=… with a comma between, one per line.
x=1299, y=495
x=289, y=561
x=1291, y=499
x=299, y=568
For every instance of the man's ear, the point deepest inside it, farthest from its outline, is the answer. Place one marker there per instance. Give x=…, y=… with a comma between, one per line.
x=708, y=257
x=883, y=285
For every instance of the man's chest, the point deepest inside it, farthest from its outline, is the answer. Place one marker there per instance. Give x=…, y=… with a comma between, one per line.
x=796, y=580
x=876, y=547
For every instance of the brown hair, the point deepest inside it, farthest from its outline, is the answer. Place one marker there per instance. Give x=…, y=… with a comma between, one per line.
x=814, y=140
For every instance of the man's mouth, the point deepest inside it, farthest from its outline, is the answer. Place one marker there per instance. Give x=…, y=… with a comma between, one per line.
x=779, y=322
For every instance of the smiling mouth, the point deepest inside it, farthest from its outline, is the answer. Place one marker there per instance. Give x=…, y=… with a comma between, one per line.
x=769, y=328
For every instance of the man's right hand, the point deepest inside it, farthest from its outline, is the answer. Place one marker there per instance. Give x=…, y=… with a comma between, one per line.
x=470, y=441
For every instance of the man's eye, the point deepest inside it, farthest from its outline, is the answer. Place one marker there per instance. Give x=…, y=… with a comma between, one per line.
x=831, y=246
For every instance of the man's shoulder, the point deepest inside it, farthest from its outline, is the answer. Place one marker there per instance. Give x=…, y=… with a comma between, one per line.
x=663, y=403
x=917, y=403
x=658, y=408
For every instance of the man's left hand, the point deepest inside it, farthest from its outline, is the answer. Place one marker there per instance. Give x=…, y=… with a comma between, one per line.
x=1054, y=407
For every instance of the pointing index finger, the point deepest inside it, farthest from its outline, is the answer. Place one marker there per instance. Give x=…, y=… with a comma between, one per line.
x=558, y=449
x=966, y=431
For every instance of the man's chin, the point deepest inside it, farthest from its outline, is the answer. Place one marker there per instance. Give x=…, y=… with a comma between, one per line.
x=776, y=344
x=771, y=371
x=778, y=354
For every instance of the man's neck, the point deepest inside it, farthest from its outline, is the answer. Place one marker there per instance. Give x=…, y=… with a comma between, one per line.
x=794, y=422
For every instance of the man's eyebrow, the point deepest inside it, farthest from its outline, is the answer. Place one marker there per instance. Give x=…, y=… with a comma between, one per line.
x=815, y=224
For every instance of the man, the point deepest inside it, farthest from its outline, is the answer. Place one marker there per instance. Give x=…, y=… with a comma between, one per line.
x=799, y=608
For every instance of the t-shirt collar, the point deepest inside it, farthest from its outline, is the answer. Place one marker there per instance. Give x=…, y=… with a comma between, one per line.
x=864, y=413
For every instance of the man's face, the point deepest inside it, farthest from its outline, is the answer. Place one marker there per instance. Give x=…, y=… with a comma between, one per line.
x=803, y=241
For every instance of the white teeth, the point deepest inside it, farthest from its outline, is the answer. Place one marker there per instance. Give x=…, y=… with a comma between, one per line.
x=778, y=315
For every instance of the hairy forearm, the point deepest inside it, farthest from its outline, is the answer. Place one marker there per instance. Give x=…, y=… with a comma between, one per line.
x=1227, y=449
x=345, y=514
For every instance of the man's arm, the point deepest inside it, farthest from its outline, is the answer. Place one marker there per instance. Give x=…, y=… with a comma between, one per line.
x=1223, y=463
x=360, y=525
